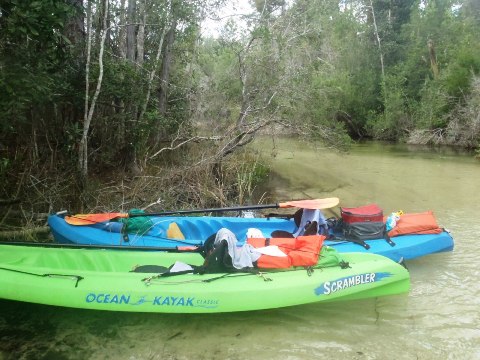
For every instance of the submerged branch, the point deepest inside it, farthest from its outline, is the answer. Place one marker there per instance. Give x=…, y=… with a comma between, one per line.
x=24, y=233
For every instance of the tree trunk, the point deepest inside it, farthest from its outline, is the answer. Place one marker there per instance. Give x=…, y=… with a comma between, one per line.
x=74, y=29
x=152, y=76
x=141, y=33
x=433, y=58
x=131, y=30
x=122, y=34
x=83, y=149
x=129, y=153
x=243, y=80
x=165, y=77
x=165, y=72
x=122, y=50
x=377, y=35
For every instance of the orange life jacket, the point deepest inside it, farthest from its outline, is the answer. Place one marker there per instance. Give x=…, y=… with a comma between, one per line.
x=416, y=223
x=300, y=251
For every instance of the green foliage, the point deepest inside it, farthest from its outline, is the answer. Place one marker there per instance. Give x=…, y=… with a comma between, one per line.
x=268, y=6
x=219, y=86
x=311, y=65
x=33, y=61
x=4, y=166
x=117, y=77
x=464, y=121
x=429, y=113
x=390, y=17
x=465, y=63
x=249, y=174
x=426, y=102
x=341, y=82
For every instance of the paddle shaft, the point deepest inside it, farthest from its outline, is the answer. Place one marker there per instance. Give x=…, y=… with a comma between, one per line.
x=90, y=246
x=196, y=211
x=313, y=204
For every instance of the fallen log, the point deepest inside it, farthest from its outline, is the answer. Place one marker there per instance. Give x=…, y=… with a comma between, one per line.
x=24, y=232
x=5, y=202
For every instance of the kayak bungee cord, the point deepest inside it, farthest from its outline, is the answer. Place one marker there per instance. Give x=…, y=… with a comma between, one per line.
x=62, y=276
x=155, y=279
x=148, y=280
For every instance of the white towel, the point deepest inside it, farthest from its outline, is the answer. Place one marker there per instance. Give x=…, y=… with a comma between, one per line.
x=254, y=233
x=242, y=257
x=271, y=250
x=308, y=216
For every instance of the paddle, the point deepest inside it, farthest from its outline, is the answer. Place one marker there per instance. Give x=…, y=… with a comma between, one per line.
x=178, y=249
x=89, y=219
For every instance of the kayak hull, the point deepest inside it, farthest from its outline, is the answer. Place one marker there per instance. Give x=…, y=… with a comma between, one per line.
x=100, y=279
x=407, y=247
x=197, y=229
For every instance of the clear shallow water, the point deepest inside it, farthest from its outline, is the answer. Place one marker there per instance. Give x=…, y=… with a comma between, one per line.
x=438, y=319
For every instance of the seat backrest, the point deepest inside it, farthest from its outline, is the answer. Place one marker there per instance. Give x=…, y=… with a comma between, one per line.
x=308, y=217
x=174, y=232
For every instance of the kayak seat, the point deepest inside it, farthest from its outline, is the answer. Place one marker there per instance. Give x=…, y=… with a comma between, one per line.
x=196, y=228
x=201, y=227
x=174, y=232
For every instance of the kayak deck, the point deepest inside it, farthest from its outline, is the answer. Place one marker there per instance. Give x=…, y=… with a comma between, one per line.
x=103, y=280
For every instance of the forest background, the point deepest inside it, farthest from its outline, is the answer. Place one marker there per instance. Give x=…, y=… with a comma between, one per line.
x=116, y=104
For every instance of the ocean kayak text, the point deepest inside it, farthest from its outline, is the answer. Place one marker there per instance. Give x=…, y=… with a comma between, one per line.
x=156, y=300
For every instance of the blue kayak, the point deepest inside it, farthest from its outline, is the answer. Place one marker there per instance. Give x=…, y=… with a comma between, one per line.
x=181, y=231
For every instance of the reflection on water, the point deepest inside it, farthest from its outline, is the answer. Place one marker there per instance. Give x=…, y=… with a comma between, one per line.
x=438, y=319
x=409, y=150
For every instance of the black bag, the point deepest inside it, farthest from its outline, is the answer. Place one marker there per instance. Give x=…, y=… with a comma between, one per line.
x=217, y=260
x=364, y=223
x=364, y=230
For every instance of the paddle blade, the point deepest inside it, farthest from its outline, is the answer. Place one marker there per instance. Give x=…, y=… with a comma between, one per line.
x=90, y=219
x=312, y=204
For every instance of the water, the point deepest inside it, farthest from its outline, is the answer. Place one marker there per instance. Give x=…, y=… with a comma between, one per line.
x=438, y=319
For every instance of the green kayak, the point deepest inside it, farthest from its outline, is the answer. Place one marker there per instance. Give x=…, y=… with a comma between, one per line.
x=104, y=279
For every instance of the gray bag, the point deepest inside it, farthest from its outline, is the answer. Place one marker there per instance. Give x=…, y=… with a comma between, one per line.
x=364, y=230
